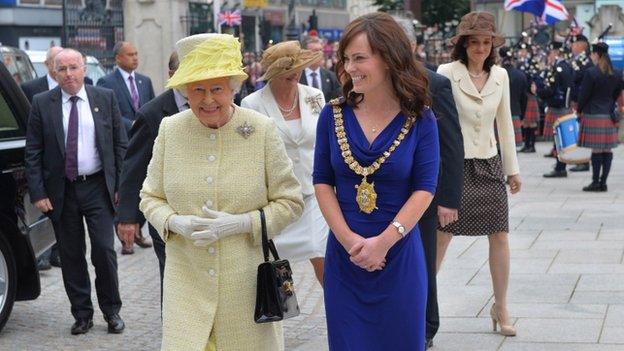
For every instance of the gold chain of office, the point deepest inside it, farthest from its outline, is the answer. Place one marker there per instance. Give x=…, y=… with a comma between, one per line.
x=366, y=196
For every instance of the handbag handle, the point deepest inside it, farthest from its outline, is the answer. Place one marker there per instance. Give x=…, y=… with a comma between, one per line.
x=267, y=245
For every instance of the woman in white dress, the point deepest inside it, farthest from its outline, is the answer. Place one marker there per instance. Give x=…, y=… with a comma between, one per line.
x=295, y=109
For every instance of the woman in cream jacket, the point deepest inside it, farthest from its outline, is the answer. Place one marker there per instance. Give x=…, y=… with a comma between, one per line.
x=213, y=167
x=295, y=110
x=481, y=93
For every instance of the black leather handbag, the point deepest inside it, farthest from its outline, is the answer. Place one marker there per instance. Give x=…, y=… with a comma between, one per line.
x=275, y=292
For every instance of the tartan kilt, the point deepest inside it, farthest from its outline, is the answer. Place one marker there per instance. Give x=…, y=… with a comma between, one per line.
x=597, y=132
x=517, y=125
x=532, y=113
x=551, y=116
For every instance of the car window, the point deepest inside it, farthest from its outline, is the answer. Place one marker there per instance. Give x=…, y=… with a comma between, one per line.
x=95, y=72
x=8, y=122
x=40, y=68
x=23, y=66
x=9, y=62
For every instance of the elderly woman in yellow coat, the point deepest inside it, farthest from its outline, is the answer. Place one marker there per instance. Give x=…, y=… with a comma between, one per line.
x=213, y=167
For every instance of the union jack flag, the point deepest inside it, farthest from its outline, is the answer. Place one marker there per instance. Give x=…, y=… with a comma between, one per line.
x=230, y=18
x=550, y=11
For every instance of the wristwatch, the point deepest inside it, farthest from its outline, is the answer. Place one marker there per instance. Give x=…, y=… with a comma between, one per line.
x=400, y=228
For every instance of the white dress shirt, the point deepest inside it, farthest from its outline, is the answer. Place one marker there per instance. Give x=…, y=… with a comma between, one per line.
x=125, y=76
x=88, y=158
x=308, y=73
x=180, y=100
x=51, y=82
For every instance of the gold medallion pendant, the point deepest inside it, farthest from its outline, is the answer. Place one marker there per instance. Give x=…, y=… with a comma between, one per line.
x=366, y=197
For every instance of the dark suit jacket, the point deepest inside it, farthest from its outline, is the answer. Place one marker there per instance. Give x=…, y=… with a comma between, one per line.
x=115, y=82
x=143, y=133
x=329, y=84
x=518, y=86
x=45, y=144
x=40, y=85
x=599, y=92
x=450, y=180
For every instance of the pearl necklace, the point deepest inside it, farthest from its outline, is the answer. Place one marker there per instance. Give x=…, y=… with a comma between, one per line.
x=290, y=110
x=477, y=75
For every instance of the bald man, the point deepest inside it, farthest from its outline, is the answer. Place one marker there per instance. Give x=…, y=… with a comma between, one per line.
x=39, y=85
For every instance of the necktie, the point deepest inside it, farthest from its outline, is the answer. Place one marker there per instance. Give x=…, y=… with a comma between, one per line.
x=71, y=147
x=133, y=94
x=314, y=81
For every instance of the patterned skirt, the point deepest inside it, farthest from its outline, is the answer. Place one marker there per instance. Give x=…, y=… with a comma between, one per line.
x=598, y=132
x=532, y=113
x=551, y=116
x=484, y=209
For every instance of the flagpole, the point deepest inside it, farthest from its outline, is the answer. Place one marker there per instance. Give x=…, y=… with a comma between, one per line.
x=217, y=10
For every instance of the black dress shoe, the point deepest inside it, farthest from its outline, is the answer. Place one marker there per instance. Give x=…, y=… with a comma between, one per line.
x=603, y=187
x=116, y=325
x=43, y=264
x=556, y=174
x=82, y=326
x=594, y=186
x=583, y=167
x=55, y=260
x=428, y=343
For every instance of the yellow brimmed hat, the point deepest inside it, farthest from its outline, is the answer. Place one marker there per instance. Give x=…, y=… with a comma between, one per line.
x=286, y=57
x=207, y=56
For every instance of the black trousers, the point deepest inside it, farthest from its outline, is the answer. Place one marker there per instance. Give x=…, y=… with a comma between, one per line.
x=428, y=233
x=88, y=200
x=159, y=249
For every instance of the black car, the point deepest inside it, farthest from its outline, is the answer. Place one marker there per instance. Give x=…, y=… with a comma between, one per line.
x=25, y=233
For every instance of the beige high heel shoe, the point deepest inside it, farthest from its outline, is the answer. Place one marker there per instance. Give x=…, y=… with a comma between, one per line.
x=506, y=330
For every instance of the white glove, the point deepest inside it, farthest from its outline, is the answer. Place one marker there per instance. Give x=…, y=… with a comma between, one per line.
x=186, y=225
x=221, y=225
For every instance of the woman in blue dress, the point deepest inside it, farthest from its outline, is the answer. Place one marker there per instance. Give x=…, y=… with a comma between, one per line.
x=375, y=173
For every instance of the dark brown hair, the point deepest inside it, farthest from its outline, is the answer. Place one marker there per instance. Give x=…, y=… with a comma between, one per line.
x=388, y=39
x=604, y=63
x=460, y=53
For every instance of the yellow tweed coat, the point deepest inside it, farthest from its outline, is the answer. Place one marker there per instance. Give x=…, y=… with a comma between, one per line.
x=213, y=289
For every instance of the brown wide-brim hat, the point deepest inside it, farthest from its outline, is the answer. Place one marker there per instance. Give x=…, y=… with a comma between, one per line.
x=478, y=23
x=286, y=57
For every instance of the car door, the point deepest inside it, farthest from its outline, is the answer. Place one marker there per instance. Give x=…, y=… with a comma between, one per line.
x=14, y=198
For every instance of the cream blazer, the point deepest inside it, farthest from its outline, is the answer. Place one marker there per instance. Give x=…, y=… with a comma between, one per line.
x=301, y=149
x=478, y=111
x=213, y=289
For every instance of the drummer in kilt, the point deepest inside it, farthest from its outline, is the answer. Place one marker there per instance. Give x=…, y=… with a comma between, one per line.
x=600, y=88
x=555, y=90
x=580, y=62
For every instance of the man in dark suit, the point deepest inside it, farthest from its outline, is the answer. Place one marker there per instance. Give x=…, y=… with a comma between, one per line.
x=443, y=208
x=133, y=90
x=75, y=145
x=144, y=132
x=318, y=77
x=445, y=204
x=39, y=85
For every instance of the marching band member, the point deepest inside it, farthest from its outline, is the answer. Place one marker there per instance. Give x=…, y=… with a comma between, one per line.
x=600, y=88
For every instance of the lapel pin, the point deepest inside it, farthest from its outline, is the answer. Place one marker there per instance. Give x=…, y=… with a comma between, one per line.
x=96, y=109
x=245, y=130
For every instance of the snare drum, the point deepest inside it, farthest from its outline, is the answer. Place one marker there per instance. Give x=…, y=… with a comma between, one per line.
x=566, y=132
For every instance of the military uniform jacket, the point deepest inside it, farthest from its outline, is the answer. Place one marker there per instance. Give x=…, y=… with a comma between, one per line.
x=556, y=87
x=213, y=289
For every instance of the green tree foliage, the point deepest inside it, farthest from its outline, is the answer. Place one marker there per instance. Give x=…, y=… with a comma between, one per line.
x=389, y=5
x=440, y=11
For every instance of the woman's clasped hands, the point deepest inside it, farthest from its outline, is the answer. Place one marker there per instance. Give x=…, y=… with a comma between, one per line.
x=216, y=225
x=370, y=253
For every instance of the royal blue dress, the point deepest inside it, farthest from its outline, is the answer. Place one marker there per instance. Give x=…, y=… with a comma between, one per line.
x=381, y=310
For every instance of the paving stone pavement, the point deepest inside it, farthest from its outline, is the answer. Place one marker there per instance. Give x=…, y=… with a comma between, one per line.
x=566, y=288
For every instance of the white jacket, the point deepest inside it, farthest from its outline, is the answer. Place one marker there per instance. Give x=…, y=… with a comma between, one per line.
x=477, y=112
x=300, y=150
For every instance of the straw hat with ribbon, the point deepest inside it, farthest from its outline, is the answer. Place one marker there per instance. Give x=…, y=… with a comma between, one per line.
x=478, y=23
x=286, y=57
x=207, y=56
